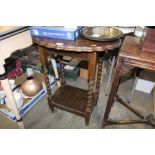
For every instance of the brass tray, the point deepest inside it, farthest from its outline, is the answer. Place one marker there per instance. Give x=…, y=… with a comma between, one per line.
x=101, y=33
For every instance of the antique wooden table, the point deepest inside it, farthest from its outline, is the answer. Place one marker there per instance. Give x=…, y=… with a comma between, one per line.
x=68, y=98
x=130, y=56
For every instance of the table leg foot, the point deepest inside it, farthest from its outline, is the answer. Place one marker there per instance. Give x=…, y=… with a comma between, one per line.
x=50, y=104
x=104, y=124
x=150, y=120
x=86, y=122
x=52, y=110
x=21, y=124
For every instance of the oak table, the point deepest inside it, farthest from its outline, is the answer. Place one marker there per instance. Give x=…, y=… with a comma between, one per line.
x=12, y=38
x=75, y=100
x=130, y=56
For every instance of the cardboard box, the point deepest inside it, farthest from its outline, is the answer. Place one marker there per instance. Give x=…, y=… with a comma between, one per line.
x=56, y=32
x=83, y=73
x=25, y=108
x=146, y=81
x=144, y=86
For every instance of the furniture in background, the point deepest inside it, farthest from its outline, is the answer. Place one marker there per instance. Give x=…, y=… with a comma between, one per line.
x=111, y=64
x=127, y=31
x=130, y=56
x=68, y=98
x=11, y=39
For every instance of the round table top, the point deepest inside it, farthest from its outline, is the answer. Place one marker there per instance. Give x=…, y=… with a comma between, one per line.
x=79, y=45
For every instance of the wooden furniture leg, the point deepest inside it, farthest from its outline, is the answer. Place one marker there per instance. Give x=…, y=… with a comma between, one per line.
x=44, y=62
x=112, y=94
x=63, y=81
x=98, y=82
x=9, y=94
x=91, y=81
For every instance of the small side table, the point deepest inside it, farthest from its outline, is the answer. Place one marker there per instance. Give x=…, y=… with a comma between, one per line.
x=130, y=56
x=75, y=100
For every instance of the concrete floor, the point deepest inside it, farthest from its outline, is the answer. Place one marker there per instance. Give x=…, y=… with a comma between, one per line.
x=40, y=116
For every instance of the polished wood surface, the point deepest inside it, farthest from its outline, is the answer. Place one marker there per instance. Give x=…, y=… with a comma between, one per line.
x=130, y=56
x=63, y=99
x=132, y=50
x=75, y=100
x=79, y=45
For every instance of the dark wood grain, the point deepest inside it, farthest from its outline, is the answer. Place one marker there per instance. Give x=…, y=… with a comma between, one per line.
x=63, y=99
x=99, y=74
x=132, y=53
x=79, y=45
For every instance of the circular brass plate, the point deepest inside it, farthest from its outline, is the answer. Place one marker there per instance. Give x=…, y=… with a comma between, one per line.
x=101, y=33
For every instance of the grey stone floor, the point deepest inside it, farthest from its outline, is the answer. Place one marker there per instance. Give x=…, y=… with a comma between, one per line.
x=40, y=117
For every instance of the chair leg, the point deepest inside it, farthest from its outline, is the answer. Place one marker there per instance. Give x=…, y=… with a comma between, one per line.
x=110, y=75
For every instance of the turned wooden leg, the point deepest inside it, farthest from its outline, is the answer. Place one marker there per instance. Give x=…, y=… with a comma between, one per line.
x=44, y=62
x=91, y=81
x=63, y=81
x=9, y=94
x=98, y=82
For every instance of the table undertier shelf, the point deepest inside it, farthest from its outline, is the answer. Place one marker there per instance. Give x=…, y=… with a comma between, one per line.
x=71, y=99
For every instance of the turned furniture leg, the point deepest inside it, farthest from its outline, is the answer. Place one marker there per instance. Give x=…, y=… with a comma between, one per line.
x=63, y=81
x=9, y=94
x=91, y=81
x=110, y=75
x=113, y=91
x=44, y=62
x=98, y=82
